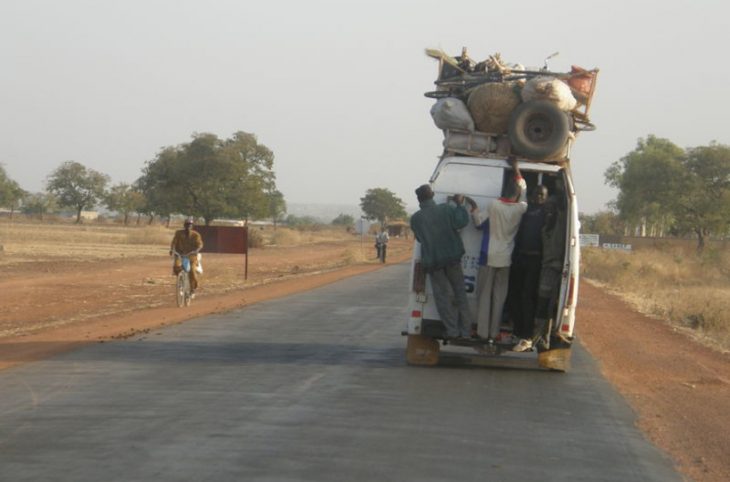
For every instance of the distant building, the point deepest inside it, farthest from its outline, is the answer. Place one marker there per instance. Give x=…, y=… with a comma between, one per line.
x=89, y=215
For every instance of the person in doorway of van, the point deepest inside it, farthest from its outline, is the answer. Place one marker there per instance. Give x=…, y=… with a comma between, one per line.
x=381, y=244
x=553, y=259
x=187, y=242
x=436, y=227
x=504, y=215
x=526, y=263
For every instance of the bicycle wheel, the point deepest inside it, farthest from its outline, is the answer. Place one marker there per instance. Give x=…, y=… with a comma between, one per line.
x=180, y=288
x=186, y=282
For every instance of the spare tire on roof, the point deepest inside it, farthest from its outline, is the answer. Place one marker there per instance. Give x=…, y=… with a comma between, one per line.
x=538, y=130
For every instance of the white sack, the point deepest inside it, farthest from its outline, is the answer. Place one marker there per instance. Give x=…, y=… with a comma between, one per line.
x=552, y=89
x=451, y=113
x=462, y=141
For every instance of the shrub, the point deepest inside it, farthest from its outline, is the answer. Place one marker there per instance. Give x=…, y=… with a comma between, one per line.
x=255, y=238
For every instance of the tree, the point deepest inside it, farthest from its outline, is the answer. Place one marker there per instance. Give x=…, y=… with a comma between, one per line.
x=301, y=221
x=685, y=191
x=381, y=204
x=39, y=203
x=703, y=207
x=11, y=194
x=124, y=199
x=77, y=186
x=277, y=206
x=649, y=178
x=602, y=222
x=343, y=220
x=211, y=178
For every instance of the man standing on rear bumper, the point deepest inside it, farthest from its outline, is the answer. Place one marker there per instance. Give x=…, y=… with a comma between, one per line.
x=504, y=216
x=436, y=228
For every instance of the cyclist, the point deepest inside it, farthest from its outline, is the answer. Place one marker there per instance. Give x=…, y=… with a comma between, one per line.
x=187, y=242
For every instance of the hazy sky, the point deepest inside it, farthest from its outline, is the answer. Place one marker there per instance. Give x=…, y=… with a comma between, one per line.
x=335, y=88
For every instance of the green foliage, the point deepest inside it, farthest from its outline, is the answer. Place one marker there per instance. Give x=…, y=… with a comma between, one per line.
x=648, y=179
x=40, y=203
x=343, y=220
x=277, y=205
x=212, y=178
x=603, y=222
x=301, y=221
x=704, y=206
x=382, y=204
x=10, y=192
x=682, y=190
x=124, y=199
x=77, y=186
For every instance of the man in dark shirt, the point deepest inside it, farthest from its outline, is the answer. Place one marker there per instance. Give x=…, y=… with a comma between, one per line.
x=436, y=227
x=526, y=264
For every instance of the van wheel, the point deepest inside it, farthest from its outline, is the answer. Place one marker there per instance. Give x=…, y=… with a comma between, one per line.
x=422, y=350
x=538, y=129
x=557, y=357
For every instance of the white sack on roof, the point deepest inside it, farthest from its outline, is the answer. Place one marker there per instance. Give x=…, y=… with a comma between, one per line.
x=451, y=113
x=549, y=88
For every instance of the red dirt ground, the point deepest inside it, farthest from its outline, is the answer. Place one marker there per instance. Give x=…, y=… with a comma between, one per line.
x=679, y=389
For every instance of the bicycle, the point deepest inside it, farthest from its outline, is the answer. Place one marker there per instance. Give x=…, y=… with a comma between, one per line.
x=183, y=293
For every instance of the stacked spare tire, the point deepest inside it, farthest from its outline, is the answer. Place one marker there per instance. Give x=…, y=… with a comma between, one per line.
x=492, y=107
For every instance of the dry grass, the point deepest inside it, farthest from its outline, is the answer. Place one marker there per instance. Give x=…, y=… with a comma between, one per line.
x=296, y=237
x=22, y=242
x=671, y=283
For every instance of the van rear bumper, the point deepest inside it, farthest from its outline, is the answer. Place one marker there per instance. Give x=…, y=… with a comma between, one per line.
x=433, y=328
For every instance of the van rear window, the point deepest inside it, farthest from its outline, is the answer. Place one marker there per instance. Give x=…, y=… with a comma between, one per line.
x=470, y=180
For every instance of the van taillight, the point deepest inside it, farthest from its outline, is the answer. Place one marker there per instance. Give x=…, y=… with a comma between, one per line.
x=419, y=278
x=571, y=289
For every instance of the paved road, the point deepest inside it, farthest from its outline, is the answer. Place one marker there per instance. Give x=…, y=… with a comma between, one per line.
x=312, y=387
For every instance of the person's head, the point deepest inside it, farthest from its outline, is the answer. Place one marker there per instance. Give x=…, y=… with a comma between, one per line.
x=539, y=195
x=188, y=224
x=424, y=193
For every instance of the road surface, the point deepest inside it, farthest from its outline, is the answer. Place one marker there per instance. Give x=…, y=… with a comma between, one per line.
x=312, y=387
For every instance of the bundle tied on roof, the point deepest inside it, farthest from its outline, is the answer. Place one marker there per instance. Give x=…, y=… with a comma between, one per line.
x=491, y=105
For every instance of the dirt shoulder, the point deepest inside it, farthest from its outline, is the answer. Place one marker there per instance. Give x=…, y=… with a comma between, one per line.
x=55, y=306
x=679, y=388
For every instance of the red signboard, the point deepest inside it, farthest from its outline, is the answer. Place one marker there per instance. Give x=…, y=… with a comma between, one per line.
x=224, y=239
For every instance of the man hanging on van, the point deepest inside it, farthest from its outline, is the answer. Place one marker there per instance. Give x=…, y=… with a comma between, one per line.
x=553, y=259
x=436, y=228
x=504, y=215
x=526, y=263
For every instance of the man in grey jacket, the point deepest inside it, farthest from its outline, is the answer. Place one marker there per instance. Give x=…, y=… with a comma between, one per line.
x=436, y=228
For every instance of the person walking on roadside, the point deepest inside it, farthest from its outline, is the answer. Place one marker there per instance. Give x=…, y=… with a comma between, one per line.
x=526, y=263
x=381, y=243
x=187, y=242
x=436, y=227
x=504, y=215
